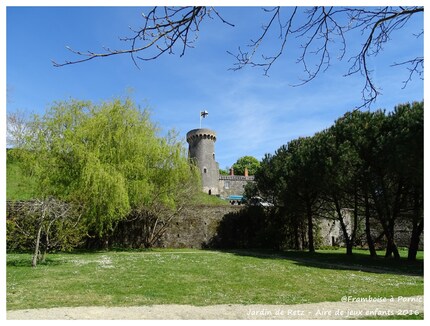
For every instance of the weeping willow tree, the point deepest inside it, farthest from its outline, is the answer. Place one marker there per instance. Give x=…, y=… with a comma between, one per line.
x=110, y=159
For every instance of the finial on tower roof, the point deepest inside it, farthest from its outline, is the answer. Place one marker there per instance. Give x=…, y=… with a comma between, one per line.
x=203, y=114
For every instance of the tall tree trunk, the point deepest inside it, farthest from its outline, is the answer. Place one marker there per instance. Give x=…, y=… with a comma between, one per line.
x=417, y=228
x=36, y=249
x=414, y=243
x=46, y=246
x=348, y=242
x=391, y=247
x=310, y=228
x=297, y=244
x=39, y=233
x=389, y=235
x=369, y=238
x=303, y=237
x=387, y=219
x=354, y=226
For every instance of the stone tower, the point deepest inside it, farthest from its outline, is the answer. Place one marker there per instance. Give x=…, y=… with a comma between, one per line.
x=202, y=149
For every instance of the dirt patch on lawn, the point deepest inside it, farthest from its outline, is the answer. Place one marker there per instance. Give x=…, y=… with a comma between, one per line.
x=352, y=308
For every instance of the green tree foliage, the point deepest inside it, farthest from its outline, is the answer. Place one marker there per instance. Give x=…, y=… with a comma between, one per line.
x=305, y=178
x=251, y=227
x=292, y=178
x=110, y=159
x=369, y=164
x=350, y=142
x=249, y=162
x=224, y=171
x=408, y=123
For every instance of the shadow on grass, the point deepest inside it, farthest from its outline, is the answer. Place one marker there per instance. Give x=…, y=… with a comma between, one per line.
x=23, y=258
x=339, y=261
x=26, y=262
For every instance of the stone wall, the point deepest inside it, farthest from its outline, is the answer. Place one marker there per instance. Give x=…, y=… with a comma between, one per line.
x=331, y=233
x=195, y=226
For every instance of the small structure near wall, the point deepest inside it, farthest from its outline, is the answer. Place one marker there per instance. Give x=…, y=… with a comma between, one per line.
x=233, y=185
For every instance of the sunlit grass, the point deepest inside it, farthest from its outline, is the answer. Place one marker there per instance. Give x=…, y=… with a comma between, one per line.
x=200, y=278
x=202, y=198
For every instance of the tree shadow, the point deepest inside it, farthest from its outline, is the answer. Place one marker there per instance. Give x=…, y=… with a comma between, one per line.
x=264, y=232
x=338, y=261
x=26, y=262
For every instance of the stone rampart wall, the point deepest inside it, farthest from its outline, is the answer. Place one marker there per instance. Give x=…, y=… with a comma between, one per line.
x=195, y=226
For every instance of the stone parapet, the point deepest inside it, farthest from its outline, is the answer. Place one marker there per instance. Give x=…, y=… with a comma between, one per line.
x=236, y=177
x=201, y=133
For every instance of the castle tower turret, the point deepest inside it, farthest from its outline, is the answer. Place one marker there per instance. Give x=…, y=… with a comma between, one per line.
x=202, y=150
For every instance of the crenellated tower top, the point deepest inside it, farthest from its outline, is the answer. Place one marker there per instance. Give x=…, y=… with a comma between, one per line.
x=201, y=133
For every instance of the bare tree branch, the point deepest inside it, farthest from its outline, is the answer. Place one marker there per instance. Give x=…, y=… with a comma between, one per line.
x=322, y=28
x=324, y=32
x=416, y=67
x=381, y=24
x=162, y=29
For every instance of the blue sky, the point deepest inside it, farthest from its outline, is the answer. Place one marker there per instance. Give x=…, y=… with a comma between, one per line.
x=251, y=113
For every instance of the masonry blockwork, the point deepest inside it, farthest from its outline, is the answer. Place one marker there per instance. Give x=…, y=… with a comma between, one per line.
x=202, y=150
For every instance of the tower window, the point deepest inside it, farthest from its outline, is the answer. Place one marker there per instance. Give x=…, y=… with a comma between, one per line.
x=213, y=155
x=205, y=170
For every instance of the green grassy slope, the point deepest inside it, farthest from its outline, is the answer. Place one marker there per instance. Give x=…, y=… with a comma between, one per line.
x=18, y=185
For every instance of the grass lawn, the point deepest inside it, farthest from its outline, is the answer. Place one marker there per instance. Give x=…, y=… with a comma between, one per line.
x=197, y=277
